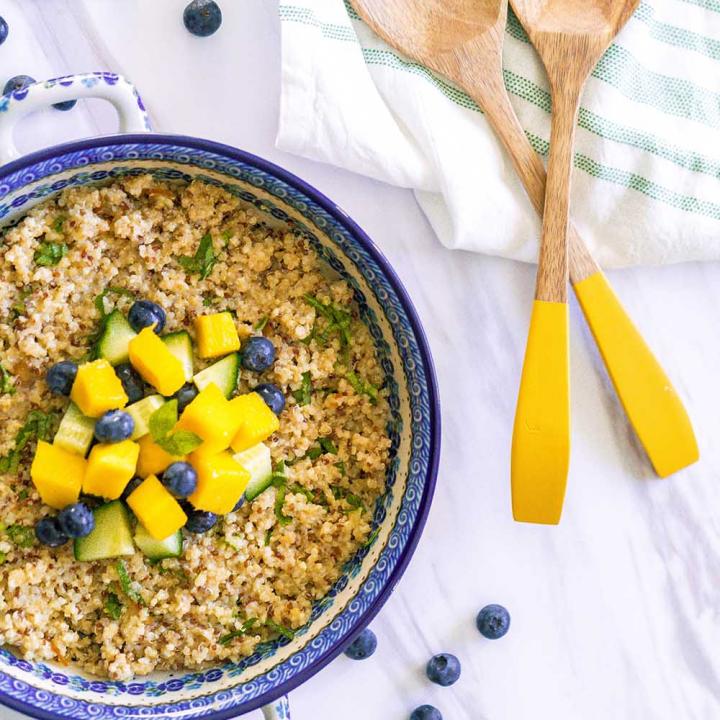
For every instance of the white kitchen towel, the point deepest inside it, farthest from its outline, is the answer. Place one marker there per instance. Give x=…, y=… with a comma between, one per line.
x=646, y=187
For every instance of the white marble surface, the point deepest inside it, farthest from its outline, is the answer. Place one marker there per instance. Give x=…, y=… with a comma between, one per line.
x=615, y=613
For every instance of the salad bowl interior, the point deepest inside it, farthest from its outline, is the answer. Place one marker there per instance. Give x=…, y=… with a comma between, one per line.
x=48, y=691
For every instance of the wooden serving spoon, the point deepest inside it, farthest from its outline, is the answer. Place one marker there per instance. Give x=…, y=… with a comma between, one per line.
x=462, y=40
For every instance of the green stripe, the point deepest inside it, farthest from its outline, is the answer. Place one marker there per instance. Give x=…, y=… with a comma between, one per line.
x=306, y=16
x=712, y=5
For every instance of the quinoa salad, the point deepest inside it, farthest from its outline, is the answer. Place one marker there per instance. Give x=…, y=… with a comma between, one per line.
x=263, y=325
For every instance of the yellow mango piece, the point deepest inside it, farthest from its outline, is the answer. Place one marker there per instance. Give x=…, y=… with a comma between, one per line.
x=110, y=468
x=97, y=389
x=210, y=416
x=257, y=421
x=156, y=364
x=221, y=482
x=153, y=459
x=157, y=510
x=216, y=335
x=57, y=474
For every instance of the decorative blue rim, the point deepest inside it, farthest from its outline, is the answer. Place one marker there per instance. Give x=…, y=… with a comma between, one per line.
x=12, y=174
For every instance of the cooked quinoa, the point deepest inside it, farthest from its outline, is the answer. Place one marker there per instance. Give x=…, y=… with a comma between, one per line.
x=250, y=566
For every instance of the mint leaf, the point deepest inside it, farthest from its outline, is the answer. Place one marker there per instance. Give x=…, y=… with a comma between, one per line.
x=163, y=420
x=372, y=537
x=337, y=322
x=7, y=386
x=303, y=394
x=361, y=386
x=19, y=307
x=354, y=501
x=127, y=585
x=21, y=535
x=243, y=630
x=3, y=557
x=50, y=253
x=327, y=446
x=203, y=261
x=57, y=226
x=279, y=629
x=341, y=467
x=113, y=606
x=259, y=326
x=110, y=290
x=39, y=425
x=181, y=442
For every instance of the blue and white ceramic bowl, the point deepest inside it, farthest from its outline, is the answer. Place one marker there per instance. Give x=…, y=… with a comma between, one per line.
x=262, y=680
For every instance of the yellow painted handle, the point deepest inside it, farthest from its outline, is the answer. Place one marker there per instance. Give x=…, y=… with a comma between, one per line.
x=541, y=435
x=650, y=401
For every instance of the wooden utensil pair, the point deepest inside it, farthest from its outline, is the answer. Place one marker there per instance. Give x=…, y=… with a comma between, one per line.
x=462, y=40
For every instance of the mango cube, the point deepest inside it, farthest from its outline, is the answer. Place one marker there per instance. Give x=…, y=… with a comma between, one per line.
x=216, y=335
x=58, y=474
x=257, y=421
x=157, y=510
x=220, y=484
x=153, y=459
x=210, y=416
x=97, y=389
x=150, y=356
x=110, y=468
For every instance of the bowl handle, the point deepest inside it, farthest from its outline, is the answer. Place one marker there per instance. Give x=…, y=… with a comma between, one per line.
x=279, y=710
x=109, y=86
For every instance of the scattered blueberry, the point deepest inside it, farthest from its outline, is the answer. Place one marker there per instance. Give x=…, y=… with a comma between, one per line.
x=61, y=376
x=144, y=313
x=273, y=397
x=19, y=82
x=493, y=621
x=49, y=532
x=76, y=520
x=185, y=395
x=202, y=17
x=4, y=30
x=132, y=383
x=443, y=669
x=258, y=354
x=363, y=646
x=180, y=479
x=114, y=426
x=239, y=503
x=199, y=521
x=134, y=484
x=426, y=712
x=65, y=105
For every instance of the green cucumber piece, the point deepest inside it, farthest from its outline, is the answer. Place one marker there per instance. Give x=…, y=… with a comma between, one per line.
x=257, y=461
x=158, y=549
x=75, y=432
x=141, y=411
x=111, y=536
x=115, y=338
x=224, y=373
x=180, y=345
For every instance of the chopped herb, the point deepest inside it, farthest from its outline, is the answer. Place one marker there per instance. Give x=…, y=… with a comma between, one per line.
x=21, y=535
x=161, y=423
x=259, y=326
x=50, y=253
x=268, y=535
x=203, y=261
x=373, y=537
x=242, y=630
x=337, y=321
x=127, y=585
x=3, y=557
x=279, y=629
x=327, y=446
x=226, y=235
x=57, y=226
x=354, y=501
x=361, y=386
x=113, y=606
x=314, y=453
x=279, y=481
x=19, y=307
x=341, y=467
x=23, y=494
x=7, y=385
x=39, y=425
x=304, y=394
x=208, y=301
x=110, y=290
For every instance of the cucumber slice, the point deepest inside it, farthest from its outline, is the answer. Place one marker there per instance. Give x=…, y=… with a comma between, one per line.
x=141, y=412
x=180, y=345
x=116, y=335
x=257, y=461
x=224, y=373
x=158, y=549
x=111, y=537
x=75, y=432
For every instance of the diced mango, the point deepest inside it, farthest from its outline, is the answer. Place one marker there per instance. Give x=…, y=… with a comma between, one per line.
x=257, y=421
x=153, y=459
x=97, y=389
x=210, y=416
x=216, y=335
x=58, y=474
x=157, y=510
x=220, y=484
x=156, y=364
x=110, y=468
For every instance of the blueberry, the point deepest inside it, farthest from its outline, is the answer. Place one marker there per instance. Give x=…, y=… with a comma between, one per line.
x=273, y=397
x=76, y=520
x=19, y=82
x=49, y=532
x=180, y=479
x=199, y=521
x=202, y=17
x=132, y=383
x=185, y=395
x=4, y=30
x=239, y=503
x=363, y=646
x=144, y=313
x=65, y=105
x=114, y=426
x=61, y=376
x=443, y=669
x=493, y=621
x=426, y=712
x=134, y=484
x=258, y=354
